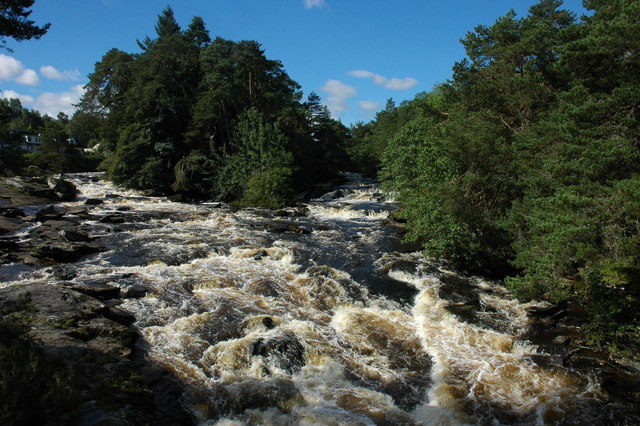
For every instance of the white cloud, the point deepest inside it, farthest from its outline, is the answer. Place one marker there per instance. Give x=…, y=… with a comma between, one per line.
x=52, y=103
x=12, y=69
x=368, y=106
x=310, y=4
x=49, y=103
x=28, y=77
x=52, y=73
x=361, y=74
x=338, y=89
x=338, y=93
x=10, y=94
x=400, y=83
x=389, y=83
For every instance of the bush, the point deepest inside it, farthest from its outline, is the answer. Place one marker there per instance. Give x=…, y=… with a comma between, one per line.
x=270, y=188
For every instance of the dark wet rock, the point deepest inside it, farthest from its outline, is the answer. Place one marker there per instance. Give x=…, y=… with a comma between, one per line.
x=63, y=252
x=457, y=289
x=79, y=211
x=9, y=244
x=268, y=322
x=333, y=195
x=111, y=196
x=288, y=228
x=118, y=315
x=285, y=351
x=10, y=225
x=463, y=298
x=64, y=272
x=112, y=219
x=93, y=201
x=99, y=369
x=547, y=310
x=136, y=292
x=47, y=212
x=260, y=255
x=11, y=212
x=546, y=360
x=619, y=381
x=99, y=290
x=74, y=236
x=301, y=211
x=264, y=287
x=256, y=394
x=123, y=209
x=167, y=397
x=408, y=266
x=64, y=190
x=26, y=191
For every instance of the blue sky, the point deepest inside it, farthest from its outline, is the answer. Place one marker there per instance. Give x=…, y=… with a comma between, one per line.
x=355, y=54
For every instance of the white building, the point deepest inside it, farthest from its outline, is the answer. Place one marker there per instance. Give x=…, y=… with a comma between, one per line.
x=30, y=142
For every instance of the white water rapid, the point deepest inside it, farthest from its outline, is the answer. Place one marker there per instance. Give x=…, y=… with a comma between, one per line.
x=317, y=315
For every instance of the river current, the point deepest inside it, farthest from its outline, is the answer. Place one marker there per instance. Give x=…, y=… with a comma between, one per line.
x=319, y=315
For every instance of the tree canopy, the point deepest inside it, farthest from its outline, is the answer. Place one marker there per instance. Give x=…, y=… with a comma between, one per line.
x=15, y=23
x=209, y=118
x=525, y=164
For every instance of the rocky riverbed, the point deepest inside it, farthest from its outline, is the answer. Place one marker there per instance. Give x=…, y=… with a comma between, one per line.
x=70, y=355
x=176, y=314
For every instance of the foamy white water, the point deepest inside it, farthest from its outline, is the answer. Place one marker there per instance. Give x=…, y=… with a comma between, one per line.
x=333, y=325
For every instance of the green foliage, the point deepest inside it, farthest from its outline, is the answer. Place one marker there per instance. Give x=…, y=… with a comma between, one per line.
x=270, y=188
x=15, y=23
x=198, y=117
x=526, y=164
x=257, y=148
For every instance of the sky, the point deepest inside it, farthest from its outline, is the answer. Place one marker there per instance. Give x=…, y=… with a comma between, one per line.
x=355, y=54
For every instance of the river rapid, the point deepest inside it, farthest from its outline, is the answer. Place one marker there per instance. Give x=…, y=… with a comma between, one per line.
x=319, y=315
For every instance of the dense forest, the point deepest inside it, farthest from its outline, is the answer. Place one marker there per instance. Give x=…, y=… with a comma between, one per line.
x=525, y=164
x=209, y=119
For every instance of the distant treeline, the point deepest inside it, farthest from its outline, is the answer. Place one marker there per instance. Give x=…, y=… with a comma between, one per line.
x=61, y=141
x=526, y=163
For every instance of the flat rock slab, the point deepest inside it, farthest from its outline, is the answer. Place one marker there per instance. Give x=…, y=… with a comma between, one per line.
x=99, y=290
x=101, y=374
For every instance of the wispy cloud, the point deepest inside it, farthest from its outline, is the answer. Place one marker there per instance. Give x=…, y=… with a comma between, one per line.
x=389, y=83
x=12, y=69
x=367, y=109
x=368, y=106
x=49, y=103
x=52, y=73
x=337, y=95
x=311, y=4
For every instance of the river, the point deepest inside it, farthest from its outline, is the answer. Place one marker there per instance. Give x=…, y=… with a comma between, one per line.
x=319, y=315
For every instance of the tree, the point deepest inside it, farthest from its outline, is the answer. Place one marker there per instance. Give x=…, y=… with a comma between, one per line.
x=14, y=22
x=207, y=119
x=197, y=32
x=526, y=164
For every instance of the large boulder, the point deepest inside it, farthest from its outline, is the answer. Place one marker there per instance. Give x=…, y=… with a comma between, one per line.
x=19, y=191
x=64, y=190
x=284, y=352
